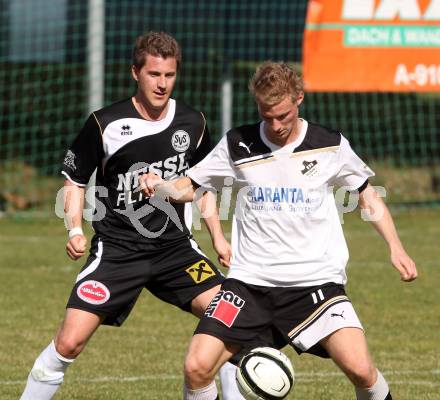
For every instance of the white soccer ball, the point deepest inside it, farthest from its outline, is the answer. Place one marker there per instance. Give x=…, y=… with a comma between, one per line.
x=265, y=374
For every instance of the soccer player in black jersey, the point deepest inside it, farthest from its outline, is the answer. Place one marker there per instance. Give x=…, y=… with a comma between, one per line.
x=286, y=279
x=137, y=243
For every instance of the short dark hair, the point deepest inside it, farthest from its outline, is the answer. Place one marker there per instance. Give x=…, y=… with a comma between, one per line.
x=157, y=44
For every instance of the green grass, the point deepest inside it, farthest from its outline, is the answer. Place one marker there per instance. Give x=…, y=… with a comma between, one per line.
x=143, y=359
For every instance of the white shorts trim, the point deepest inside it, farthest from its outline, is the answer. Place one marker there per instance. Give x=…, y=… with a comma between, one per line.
x=196, y=247
x=338, y=316
x=93, y=265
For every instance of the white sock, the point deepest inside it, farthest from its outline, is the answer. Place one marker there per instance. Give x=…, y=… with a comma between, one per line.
x=207, y=393
x=46, y=375
x=228, y=382
x=378, y=391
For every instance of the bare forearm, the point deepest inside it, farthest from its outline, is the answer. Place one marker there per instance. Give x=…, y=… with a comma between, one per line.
x=73, y=204
x=73, y=210
x=208, y=208
x=379, y=215
x=179, y=190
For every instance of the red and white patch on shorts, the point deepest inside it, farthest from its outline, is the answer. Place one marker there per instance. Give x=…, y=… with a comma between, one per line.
x=226, y=312
x=225, y=307
x=93, y=292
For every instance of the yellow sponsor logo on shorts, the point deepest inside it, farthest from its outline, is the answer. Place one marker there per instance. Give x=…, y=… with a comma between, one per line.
x=200, y=271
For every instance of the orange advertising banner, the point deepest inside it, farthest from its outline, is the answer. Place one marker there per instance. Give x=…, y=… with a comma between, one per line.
x=372, y=45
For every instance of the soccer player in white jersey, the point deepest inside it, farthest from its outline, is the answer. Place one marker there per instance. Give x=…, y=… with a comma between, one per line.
x=286, y=279
x=135, y=245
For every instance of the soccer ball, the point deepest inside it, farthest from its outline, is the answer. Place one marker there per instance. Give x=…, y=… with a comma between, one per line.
x=264, y=373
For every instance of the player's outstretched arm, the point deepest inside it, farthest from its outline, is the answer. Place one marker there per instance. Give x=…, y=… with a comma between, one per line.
x=179, y=190
x=182, y=190
x=73, y=210
x=380, y=217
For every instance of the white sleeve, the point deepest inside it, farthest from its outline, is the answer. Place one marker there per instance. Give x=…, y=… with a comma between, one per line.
x=214, y=168
x=351, y=171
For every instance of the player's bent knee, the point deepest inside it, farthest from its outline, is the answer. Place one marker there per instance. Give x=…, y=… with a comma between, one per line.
x=198, y=370
x=363, y=375
x=69, y=348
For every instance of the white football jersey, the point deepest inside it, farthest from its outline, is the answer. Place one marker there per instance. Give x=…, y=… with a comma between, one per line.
x=286, y=228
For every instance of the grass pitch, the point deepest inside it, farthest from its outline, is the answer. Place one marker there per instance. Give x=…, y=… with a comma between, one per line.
x=143, y=359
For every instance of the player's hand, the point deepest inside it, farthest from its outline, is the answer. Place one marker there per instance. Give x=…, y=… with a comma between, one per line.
x=76, y=247
x=404, y=264
x=224, y=251
x=148, y=183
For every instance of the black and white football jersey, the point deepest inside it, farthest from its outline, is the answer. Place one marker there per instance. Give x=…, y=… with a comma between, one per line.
x=286, y=227
x=122, y=145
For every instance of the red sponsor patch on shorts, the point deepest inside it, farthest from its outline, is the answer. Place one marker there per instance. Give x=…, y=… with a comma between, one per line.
x=93, y=292
x=226, y=312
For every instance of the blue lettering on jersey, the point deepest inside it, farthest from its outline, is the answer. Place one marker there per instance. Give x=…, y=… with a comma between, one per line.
x=259, y=194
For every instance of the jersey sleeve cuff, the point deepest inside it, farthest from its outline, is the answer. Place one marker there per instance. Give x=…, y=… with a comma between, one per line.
x=363, y=186
x=71, y=180
x=195, y=184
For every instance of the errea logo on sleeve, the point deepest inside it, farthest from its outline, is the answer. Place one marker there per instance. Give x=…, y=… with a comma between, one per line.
x=126, y=130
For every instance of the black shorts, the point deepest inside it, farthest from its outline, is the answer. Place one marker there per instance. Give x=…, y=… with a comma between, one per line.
x=114, y=276
x=252, y=316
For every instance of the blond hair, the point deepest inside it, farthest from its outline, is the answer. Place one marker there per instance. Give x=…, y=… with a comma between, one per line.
x=157, y=44
x=273, y=81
